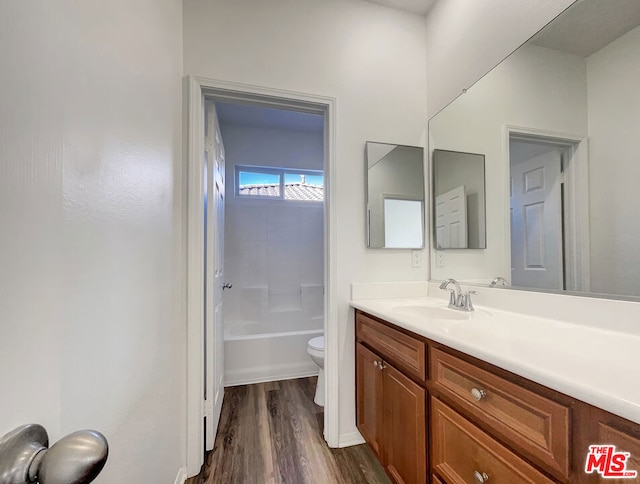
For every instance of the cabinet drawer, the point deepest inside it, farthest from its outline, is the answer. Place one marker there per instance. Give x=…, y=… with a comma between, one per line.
x=460, y=450
x=403, y=350
x=536, y=426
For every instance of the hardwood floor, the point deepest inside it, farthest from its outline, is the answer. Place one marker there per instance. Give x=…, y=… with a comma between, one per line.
x=272, y=433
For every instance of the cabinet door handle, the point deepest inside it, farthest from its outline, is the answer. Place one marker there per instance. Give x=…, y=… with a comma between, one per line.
x=478, y=394
x=375, y=363
x=480, y=477
x=382, y=366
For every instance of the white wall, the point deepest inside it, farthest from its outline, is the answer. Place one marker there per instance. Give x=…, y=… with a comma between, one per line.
x=466, y=38
x=535, y=88
x=372, y=60
x=91, y=320
x=273, y=248
x=614, y=110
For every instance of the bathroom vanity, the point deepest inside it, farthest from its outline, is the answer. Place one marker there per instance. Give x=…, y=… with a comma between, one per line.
x=445, y=396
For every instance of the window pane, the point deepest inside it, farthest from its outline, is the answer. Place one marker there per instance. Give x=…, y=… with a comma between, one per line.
x=254, y=184
x=316, y=180
x=303, y=187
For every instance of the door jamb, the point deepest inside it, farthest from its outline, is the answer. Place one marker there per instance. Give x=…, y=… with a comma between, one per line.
x=197, y=89
x=575, y=202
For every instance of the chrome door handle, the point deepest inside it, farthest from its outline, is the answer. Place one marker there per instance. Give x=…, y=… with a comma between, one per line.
x=25, y=456
x=227, y=285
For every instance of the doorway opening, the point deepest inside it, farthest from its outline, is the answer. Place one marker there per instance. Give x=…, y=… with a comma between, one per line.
x=548, y=217
x=215, y=182
x=274, y=241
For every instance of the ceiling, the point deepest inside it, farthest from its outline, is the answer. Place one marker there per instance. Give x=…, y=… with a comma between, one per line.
x=587, y=26
x=262, y=117
x=413, y=6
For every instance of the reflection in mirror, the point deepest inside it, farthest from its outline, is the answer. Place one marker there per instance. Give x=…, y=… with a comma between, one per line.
x=558, y=123
x=395, y=196
x=458, y=194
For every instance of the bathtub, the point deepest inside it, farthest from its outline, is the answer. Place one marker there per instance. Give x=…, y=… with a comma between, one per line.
x=258, y=352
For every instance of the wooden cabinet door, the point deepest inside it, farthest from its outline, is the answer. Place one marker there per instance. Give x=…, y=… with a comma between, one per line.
x=594, y=426
x=369, y=397
x=404, y=434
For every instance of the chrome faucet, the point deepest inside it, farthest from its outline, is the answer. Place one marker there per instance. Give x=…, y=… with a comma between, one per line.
x=457, y=299
x=454, y=293
x=499, y=280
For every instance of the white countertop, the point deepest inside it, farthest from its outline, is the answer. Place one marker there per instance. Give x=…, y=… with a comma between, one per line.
x=597, y=366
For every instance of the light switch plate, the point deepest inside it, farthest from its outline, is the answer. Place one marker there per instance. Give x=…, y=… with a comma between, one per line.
x=416, y=259
x=440, y=258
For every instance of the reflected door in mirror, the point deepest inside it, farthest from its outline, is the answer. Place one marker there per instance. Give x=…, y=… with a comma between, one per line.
x=536, y=218
x=451, y=219
x=459, y=200
x=395, y=196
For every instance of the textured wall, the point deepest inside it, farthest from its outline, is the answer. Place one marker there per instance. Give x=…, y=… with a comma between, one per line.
x=90, y=227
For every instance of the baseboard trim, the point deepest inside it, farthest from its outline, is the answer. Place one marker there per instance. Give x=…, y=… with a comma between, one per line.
x=249, y=377
x=352, y=438
x=182, y=475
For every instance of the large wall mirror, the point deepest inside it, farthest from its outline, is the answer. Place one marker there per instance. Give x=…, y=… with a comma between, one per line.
x=558, y=123
x=395, y=196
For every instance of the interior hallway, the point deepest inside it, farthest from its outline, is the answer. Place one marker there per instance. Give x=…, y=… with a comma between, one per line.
x=272, y=433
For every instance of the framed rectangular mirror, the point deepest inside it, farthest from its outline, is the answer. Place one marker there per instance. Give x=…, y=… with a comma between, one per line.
x=458, y=200
x=556, y=122
x=395, y=196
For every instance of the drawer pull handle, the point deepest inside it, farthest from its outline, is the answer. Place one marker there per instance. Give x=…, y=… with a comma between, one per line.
x=480, y=477
x=478, y=394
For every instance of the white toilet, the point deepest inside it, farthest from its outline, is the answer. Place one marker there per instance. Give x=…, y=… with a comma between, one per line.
x=315, y=348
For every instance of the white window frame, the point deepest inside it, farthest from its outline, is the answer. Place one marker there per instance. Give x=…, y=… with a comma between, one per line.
x=281, y=172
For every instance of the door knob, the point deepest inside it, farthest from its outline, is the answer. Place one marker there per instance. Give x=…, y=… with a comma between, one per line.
x=478, y=394
x=77, y=458
x=227, y=285
x=480, y=477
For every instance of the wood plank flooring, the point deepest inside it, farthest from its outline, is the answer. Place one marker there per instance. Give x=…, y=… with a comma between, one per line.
x=272, y=433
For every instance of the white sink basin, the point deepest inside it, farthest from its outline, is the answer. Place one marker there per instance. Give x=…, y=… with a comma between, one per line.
x=431, y=312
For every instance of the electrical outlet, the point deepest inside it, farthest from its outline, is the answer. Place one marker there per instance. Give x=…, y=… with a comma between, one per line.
x=416, y=259
x=440, y=258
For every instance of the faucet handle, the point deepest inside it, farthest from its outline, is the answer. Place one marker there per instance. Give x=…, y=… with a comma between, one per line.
x=466, y=301
x=452, y=298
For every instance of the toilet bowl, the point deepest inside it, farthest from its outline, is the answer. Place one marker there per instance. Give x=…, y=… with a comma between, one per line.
x=315, y=348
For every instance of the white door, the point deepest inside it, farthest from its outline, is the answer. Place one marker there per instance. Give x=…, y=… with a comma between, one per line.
x=403, y=223
x=536, y=222
x=451, y=219
x=214, y=272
